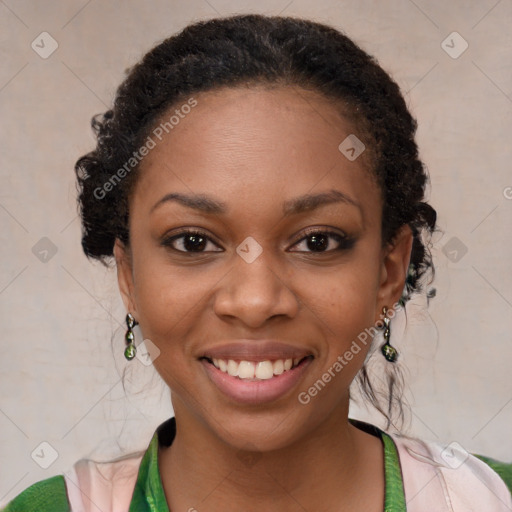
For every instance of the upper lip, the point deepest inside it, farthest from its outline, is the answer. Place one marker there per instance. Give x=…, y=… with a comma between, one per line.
x=256, y=350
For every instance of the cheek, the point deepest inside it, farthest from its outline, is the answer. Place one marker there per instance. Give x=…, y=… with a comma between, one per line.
x=165, y=300
x=344, y=309
x=345, y=316
x=347, y=296
x=173, y=304
x=166, y=306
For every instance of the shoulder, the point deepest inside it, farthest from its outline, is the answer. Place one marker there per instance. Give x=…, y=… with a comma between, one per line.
x=108, y=485
x=47, y=495
x=84, y=486
x=503, y=469
x=449, y=475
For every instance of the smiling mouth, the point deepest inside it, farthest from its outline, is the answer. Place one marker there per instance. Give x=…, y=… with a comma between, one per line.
x=256, y=370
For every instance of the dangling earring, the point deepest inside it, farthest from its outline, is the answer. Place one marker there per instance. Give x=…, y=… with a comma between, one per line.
x=389, y=352
x=130, y=349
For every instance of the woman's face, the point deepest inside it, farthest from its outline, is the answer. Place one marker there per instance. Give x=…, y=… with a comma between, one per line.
x=260, y=168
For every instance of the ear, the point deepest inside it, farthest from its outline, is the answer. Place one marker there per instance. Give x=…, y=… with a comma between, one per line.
x=395, y=263
x=125, y=276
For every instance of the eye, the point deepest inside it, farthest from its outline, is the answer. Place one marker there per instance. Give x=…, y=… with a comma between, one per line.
x=321, y=240
x=316, y=240
x=190, y=241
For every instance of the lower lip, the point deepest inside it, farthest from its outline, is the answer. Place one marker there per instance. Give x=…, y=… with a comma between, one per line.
x=255, y=391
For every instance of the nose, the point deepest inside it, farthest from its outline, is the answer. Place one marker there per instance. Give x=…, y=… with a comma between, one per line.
x=257, y=291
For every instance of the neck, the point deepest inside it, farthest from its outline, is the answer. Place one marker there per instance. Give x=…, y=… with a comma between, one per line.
x=337, y=465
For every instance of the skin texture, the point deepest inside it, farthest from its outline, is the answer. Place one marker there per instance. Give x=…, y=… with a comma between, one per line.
x=252, y=149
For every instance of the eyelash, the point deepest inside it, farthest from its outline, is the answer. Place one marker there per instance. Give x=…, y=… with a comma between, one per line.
x=344, y=242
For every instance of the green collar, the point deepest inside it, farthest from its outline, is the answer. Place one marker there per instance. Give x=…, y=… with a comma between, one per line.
x=395, y=495
x=148, y=494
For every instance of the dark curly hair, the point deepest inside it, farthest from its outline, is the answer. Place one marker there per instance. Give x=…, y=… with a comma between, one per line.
x=261, y=50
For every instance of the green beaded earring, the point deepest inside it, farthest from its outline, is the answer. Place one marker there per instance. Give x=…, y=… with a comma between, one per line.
x=130, y=349
x=389, y=352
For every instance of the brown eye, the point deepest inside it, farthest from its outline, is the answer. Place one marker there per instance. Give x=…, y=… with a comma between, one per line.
x=189, y=241
x=320, y=241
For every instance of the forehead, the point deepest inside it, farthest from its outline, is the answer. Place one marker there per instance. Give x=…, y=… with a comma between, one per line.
x=256, y=141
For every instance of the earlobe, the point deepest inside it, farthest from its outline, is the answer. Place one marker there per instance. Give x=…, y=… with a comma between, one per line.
x=125, y=276
x=395, y=264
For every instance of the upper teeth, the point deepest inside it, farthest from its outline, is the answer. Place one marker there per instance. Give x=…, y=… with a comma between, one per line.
x=251, y=369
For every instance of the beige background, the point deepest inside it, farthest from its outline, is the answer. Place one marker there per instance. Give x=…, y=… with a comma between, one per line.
x=60, y=382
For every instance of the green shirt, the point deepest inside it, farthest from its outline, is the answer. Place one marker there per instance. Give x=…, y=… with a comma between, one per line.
x=148, y=495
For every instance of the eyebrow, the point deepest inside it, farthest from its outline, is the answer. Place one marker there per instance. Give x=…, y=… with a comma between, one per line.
x=304, y=203
x=310, y=202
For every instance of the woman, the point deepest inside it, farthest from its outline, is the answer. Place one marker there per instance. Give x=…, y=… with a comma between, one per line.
x=258, y=184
